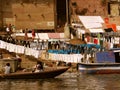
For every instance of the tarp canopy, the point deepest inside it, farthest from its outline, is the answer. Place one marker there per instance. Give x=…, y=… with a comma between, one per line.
x=76, y=41
x=91, y=21
x=42, y=36
x=96, y=30
x=54, y=35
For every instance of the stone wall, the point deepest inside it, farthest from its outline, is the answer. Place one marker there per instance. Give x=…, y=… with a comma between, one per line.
x=89, y=7
x=37, y=14
x=92, y=8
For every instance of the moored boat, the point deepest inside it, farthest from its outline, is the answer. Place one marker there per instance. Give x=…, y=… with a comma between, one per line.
x=51, y=73
x=99, y=68
x=106, y=63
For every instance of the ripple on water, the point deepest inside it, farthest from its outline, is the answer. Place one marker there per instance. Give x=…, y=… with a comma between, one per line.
x=66, y=81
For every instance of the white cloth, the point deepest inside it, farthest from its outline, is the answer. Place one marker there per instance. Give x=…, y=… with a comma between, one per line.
x=116, y=40
x=20, y=49
x=32, y=52
x=3, y=44
x=7, y=29
x=74, y=58
x=11, y=47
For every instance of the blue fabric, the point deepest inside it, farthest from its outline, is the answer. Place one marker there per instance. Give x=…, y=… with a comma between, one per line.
x=102, y=57
x=76, y=51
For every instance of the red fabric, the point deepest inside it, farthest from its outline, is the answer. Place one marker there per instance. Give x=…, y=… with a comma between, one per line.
x=95, y=41
x=33, y=33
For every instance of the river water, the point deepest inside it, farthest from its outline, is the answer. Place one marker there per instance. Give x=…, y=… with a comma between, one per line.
x=66, y=81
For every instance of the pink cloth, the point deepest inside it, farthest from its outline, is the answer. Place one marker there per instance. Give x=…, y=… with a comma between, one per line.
x=54, y=35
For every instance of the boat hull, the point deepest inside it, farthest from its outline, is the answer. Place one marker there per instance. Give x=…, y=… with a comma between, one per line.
x=99, y=68
x=35, y=75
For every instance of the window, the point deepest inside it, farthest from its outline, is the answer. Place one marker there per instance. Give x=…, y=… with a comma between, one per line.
x=114, y=8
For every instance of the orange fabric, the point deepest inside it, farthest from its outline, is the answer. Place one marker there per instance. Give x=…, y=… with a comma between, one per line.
x=106, y=20
x=114, y=27
x=109, y=25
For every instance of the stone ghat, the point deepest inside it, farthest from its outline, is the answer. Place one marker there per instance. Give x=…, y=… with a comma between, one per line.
x=30, y=61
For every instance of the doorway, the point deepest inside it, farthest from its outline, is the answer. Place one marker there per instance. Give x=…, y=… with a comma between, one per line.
x=61, y=10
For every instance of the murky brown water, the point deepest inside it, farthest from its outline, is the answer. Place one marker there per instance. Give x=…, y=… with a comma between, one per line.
x=66, y=81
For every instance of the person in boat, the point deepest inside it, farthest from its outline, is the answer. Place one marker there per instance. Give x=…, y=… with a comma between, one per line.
x=38, y=67
x=19, y=62
x=7, y=68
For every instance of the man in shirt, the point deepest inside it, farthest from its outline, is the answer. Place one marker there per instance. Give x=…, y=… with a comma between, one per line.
x=7, y=68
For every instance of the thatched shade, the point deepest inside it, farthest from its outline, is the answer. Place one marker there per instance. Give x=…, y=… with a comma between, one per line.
x=76, y=41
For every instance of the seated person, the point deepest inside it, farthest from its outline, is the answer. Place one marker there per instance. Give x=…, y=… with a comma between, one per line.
x=38, y=67
x=7, y=69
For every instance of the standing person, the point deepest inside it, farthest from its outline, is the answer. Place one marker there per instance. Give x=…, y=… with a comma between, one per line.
x=8, y=30
x=26, y=35
x=49, y=45
x=7, y=68
x=13, y=28
x=33, y=34
x=42, y=44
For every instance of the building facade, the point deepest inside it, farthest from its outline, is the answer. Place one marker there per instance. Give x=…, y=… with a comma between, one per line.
x=103, y=8
x=53, y=14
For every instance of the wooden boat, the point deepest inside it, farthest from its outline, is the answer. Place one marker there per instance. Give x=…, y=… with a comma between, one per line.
x=51, y=73
x=99, y=68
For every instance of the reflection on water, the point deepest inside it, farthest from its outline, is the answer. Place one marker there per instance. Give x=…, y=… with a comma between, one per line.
x=66, y=81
